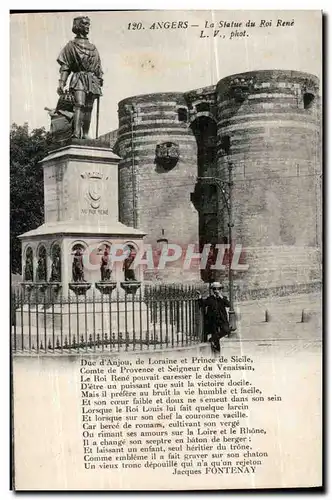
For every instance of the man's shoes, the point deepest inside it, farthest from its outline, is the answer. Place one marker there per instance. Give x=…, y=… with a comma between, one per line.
x=215, y=346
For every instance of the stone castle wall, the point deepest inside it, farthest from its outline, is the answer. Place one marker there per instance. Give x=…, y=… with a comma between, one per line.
x=155, y=120
x=271, y=120
x=274, y=150
x=266, y=124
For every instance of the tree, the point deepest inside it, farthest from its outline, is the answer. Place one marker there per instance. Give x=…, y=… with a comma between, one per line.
x=26, y=184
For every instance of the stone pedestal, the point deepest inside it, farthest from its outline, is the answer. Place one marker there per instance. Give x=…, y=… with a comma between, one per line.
x=81, y=211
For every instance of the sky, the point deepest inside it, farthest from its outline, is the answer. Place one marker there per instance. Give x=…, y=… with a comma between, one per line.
x=146, y=60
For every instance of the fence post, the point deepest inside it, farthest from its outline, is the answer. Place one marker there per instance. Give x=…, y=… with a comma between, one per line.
x=199, y=313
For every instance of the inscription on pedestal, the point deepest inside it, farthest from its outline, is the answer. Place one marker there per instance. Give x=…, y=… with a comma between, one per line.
x=92, y=211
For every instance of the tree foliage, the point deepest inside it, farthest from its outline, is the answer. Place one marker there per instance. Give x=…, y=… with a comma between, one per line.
x=26, y=184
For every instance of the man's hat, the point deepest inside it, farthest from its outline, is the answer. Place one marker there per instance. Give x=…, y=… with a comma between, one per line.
x=216, y=284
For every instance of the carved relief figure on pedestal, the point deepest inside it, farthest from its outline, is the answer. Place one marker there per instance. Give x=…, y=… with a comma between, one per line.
x=80, y=59
x=129, y=274
x=78, y=266
x=105, y=271
x=42, y=264
x=56, y=264
x=28, y=268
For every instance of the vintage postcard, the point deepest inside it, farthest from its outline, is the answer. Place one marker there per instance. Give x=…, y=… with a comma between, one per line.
x=166, y=249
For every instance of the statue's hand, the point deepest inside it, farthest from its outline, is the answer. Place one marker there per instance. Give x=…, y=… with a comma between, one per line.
x=101, y=82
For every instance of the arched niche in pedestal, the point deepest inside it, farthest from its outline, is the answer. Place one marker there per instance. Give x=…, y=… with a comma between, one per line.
x=56, y=275
x=28, y=265
x=41, y=271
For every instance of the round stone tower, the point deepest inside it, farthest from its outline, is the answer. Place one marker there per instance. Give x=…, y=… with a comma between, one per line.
x=268, y=126
x=158, y=170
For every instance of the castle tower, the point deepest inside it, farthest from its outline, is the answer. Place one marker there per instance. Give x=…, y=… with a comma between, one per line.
x=157, y=173
x=270, y=121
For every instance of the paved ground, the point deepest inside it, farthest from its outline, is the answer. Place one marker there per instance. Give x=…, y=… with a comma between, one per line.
x=293, y=317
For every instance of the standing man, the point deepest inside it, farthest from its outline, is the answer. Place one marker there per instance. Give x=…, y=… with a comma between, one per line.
x=80, y=59
x=216, y=323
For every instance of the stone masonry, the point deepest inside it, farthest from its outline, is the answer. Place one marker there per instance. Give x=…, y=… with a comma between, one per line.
x=266, y=125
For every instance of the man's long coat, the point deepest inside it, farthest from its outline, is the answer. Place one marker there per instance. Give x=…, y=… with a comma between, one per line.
x=215, y=315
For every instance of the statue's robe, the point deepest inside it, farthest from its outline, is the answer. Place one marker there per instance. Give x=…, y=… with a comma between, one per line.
x=105, y=268
x=78, y=268
x=81, y=58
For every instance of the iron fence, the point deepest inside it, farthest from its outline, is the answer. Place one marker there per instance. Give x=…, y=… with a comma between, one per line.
x=44, y=320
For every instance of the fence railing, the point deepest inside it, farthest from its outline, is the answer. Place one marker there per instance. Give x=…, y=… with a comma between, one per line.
x=154, y=317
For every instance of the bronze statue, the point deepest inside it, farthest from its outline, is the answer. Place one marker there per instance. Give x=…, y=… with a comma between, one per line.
x=78, y=267
x=105, y=271
x=80, y=59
